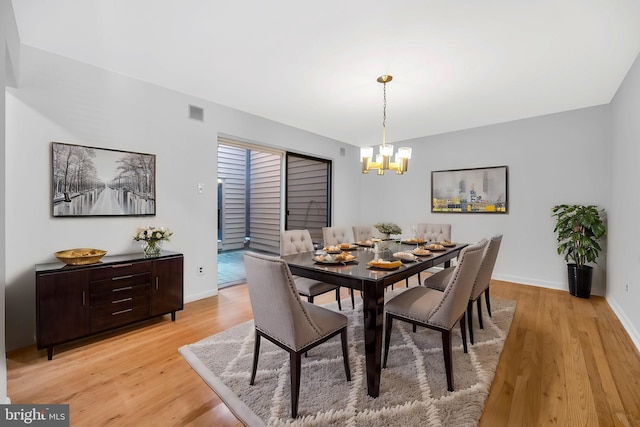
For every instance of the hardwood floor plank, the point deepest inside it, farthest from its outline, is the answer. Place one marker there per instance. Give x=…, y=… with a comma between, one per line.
x=566, y=362
x=553, y=390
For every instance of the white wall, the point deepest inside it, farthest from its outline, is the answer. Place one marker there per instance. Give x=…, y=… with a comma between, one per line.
x=559, y=158
x=9, y=72
x=80, y=104
x=624, y=256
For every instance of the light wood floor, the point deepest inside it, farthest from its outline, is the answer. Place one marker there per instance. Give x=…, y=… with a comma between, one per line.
x=566, y=362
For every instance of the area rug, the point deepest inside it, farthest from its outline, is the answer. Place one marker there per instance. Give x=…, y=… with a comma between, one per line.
x=413, y=387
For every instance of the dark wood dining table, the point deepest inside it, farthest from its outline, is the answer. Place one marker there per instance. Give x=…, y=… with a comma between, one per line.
x=372, y=283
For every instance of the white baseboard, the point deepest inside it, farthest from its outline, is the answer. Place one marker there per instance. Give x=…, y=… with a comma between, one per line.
x=201, y=295
x=628, y=326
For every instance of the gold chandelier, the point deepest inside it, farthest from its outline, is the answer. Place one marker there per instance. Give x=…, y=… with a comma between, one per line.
x=383, y=159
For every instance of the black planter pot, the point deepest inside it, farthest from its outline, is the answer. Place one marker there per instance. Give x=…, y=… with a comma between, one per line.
x=580, y=280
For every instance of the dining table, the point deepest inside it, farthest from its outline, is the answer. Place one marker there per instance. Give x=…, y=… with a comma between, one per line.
x=371, y=282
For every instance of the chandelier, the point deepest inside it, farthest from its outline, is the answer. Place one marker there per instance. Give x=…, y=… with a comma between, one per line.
x=383, y=158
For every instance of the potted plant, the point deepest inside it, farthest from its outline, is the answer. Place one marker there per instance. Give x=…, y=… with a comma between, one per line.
x=579, y=229
x=387, y=229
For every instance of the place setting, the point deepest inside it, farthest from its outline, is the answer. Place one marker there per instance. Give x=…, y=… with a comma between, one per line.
x=405, y=257
x=341, y=258
x=336, y=249
x=382, y=264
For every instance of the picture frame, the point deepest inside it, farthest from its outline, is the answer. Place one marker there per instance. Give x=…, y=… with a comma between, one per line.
x=91, y=181
x=468, y=191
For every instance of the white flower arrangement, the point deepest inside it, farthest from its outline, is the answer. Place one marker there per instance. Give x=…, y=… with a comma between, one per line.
x=152, y=234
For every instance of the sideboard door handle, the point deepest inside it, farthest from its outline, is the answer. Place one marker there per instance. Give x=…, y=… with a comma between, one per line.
x=156, y=283
x=129, y=276
x=83, y=298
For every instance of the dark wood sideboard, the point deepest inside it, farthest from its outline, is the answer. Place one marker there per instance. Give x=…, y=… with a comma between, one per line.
x=78, y=301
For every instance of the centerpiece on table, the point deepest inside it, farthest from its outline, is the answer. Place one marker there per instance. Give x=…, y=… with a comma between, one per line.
x=387, y=229
x=152, y=238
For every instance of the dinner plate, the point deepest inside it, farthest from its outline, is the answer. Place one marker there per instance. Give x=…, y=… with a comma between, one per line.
x=436, y=250
x=405, y=261
x=365, y=245
x=372, y=267
x=334, y=262
x=351, y=248
x=333, y=252
x=429, y=254
x=414, y=242
x=448, y=245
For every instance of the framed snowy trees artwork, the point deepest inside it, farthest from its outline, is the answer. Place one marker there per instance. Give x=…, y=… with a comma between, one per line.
x=89, y=181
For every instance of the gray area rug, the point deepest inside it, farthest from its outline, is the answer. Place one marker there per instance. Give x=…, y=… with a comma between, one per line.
x=413, y=387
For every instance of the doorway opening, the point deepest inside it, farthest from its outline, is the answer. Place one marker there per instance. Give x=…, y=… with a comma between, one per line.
x=251, y=206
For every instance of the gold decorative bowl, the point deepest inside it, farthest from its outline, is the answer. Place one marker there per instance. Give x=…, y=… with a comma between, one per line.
x=80, y=256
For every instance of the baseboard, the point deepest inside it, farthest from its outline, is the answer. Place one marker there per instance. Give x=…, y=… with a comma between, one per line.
x=201, y=295
x=530, y=281
x=626, y=324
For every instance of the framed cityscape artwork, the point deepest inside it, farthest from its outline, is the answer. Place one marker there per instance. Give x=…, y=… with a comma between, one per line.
x=89, y=181
x=478, y=190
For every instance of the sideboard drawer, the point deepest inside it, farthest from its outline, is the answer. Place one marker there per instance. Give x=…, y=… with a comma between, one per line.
x=120, y=270
x=120, y=294
x=108, y=316
x=120, y=283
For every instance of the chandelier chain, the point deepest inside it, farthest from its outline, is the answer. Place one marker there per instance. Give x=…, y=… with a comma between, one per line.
x=384, y=105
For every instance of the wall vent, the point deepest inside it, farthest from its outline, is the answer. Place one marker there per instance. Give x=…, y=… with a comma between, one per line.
x=196, y=113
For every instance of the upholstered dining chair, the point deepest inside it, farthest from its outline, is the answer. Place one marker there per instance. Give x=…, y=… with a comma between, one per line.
x=362, y=232
x=281, y=317
x=439, y=281
x=298, y=241
x=436, y=310
x=333, y=236
x=434, y=232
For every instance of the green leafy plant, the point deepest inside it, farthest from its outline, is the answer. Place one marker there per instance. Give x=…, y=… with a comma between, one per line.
x=388, y=228
x=579, y=229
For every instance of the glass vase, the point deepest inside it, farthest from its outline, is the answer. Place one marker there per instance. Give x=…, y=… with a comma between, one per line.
x=151, y=248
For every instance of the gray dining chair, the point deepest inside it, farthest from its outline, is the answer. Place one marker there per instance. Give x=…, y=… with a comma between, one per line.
x=283, y=318
x=298, y=241
x=362, y=232
x=434, y=232
x=333, y=236
x=436, y=310
x=481, y=285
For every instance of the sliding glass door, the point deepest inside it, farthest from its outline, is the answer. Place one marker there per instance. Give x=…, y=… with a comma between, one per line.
x=308, y=194
x=262, y=191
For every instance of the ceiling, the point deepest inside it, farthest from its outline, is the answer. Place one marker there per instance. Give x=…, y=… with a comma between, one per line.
x=456, y=64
